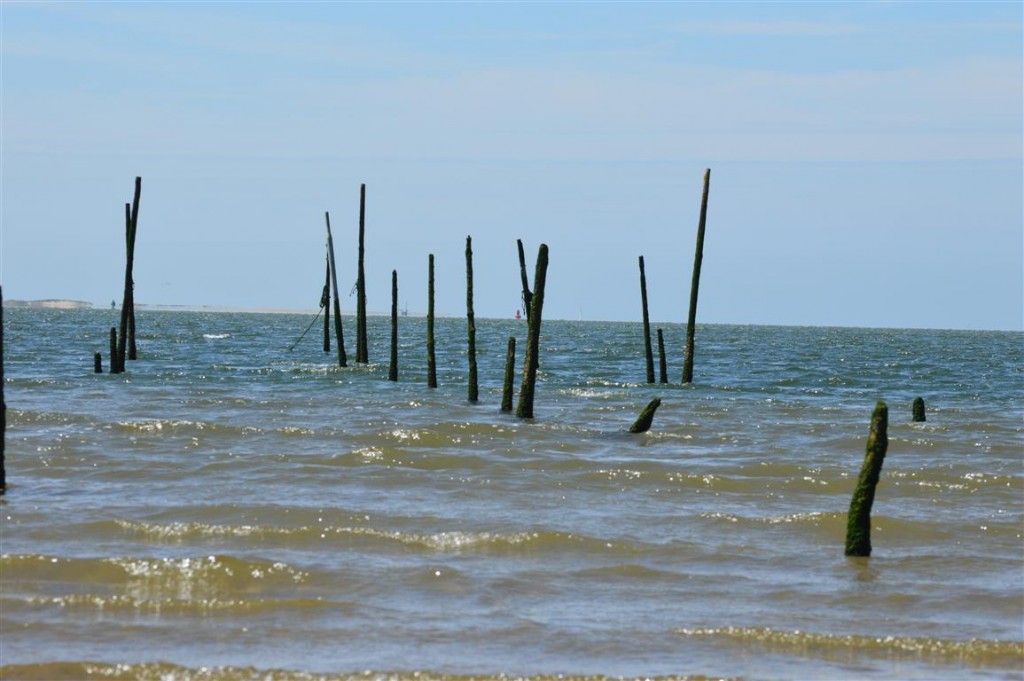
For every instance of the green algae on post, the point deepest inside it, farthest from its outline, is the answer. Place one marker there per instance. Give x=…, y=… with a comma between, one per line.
x=524, y=410
x=338, y=330
x=362, y=352
x=648, y=352
x=431, y=359
x=698, y=258
x=663, y=365
x=510, y=370
x=858, y=520
x=393, y=367
x=474, y=390
x=919, y=410
x=643, y=422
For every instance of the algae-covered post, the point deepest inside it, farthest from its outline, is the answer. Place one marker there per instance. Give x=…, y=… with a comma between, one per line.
x=510, y=371
x=919, y=410
x=338, y=330
x=471, y=319
x=325, y=305
x=393, y=367
x=128, y=302
x=115, y=367
x=431, y=360
x=643, y=422
x=527, y=295
x=648, y=352
x=97, y=363
x=362, y=352
x=526, y=391
x=698, y=257
x=3, y=403
x=662, y=364
x=858, y=521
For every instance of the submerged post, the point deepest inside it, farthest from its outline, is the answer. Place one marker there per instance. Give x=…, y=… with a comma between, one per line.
x=128, y=302
x=510, y=371
x=526, y=391
x=338, y=330
x=325, y=305
x=431, y=360
x=698, y=257
x=858, y=520
x=393, y=368
x=643, y=422
x=919, y=410
x=471, y=319
x=362, y=352
x=648, y=353
x=527, y=295
x=663, y=366
x=97, y=363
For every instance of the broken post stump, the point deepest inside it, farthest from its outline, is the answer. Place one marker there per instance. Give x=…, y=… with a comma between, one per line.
x=662, y=364
x=510, y=371
x=97, y=363
x=393, y=367
x=643, y=422
x=858, y=520
x=648, y=352
x=524, y=410
x=919, y=410
x=474, y=389
x=431, y=359
x=691, y=320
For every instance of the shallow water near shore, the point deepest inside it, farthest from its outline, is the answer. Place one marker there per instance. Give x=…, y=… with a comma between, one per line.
x=230, y=509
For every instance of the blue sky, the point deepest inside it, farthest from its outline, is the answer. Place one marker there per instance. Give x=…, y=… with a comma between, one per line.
x=866, y=157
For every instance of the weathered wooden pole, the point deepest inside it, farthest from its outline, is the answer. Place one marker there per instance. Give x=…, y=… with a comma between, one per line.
x=858, y=521
x=510, y=372
x=662, y=364
x=648, y=352
x=691, y=320
x=128, y=302
x=524, y=409
x=325, y=305
x=338, y=330
x=97, y=363
x=431, y=359
x=643, y=422
x=3, y=404
x=919, y=410
x=115, y=366
x=129, y=230
x=393, y=367
x=362, y=352
x=527, y=295
x=474, y=390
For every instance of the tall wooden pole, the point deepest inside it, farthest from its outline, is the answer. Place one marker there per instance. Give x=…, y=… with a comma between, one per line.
x=527, y=295
x=648, y=351
x=129, y=232
x=858, y=520
x=338, y=330
x=362, y=352
x=474, y=389
x=662, y=365
x=129, y=295
x=115, y=365
x=393, y=368
x=524, y=409
x=325, y=304
x=3, y=403
x=510, y=373
x=691, y=320
x=431, y=360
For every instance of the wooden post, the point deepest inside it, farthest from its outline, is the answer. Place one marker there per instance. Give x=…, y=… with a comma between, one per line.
x=474, y=389
x=393, y=368
x=3, y=403
x=663, y=366
x=643, y=422
x=919, y=410
x=648, y=353
x=362, y=352
x=526, y=391
x=510, y=372
x=338, y=330
x=527, y=295
x=691, y=320
x=97, y=363
x=431, y=360
x=128, y=302
x=325, y=305
x=858, y=521
x=115, y=366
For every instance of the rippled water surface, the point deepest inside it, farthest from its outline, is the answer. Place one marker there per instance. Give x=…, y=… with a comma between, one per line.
x=230, y=509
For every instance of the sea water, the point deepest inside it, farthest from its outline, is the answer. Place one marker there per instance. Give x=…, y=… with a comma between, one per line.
x=231, y=509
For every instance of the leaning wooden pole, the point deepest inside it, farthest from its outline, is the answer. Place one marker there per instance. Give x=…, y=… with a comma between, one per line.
x=858, y=521
x=129, y=294
x=338, y=330
x=527, y=295
x=431, y=359
x=362, y=352
x=510, y=374
x=393, y=367
x=474, y=389
x=3, y=404
x=325, y=305
x=691, y=320
x=648, y=351
x=524, y=409
x=643, y=422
